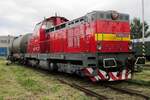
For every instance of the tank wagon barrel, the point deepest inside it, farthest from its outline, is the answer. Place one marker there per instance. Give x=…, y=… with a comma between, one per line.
x=18, y=46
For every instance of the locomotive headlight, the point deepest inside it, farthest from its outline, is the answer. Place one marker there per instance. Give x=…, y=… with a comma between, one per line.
x=43, y=27
x=114, y=15
x=130, y=46
x=99, y=45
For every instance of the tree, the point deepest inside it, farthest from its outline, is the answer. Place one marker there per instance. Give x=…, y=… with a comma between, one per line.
x=136, y=29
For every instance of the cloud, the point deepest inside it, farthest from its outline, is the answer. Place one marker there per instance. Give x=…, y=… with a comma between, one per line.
x=20, y=16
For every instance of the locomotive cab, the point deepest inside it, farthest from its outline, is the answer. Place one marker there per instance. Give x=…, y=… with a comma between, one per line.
x=111, y=28
x=38, y=42
x=113, y=46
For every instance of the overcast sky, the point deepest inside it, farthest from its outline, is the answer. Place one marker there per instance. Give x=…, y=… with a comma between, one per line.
x=20, y=16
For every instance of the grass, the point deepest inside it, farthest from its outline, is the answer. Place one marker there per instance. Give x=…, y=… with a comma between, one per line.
x=142, y=78
x=144, y=75
x=21, y=83
x=148, y=62
x=140, y=82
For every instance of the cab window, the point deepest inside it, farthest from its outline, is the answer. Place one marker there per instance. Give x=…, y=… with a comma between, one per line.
x=36, y=30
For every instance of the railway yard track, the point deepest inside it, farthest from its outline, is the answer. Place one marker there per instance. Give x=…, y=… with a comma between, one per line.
x=129, y=91
x=146, y=67
x=87, y=91
x=98, y=90
x=123, y=90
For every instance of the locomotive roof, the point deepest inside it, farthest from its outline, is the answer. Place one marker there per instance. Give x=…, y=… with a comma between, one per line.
x=104, y=15
x=108, y=11
x=97, y=12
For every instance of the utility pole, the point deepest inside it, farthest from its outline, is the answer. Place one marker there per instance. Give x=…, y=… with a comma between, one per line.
x=143, y=28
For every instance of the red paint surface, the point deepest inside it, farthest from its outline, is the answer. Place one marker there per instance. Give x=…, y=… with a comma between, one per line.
x=79, y=38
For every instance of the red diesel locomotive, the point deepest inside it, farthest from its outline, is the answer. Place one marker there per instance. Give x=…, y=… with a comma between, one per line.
x=96, y=45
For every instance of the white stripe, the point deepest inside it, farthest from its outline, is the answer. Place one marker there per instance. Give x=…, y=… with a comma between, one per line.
x=115, y=74
x=111, y=79
x=90, y=70
x=129, y=76
x=103, y=73
x=123, y=74
x=99, y=77
x=96, y=77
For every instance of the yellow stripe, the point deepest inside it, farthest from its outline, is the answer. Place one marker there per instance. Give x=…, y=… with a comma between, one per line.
x=110, y=37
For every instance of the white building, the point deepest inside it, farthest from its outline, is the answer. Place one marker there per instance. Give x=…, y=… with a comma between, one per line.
x=5, y=42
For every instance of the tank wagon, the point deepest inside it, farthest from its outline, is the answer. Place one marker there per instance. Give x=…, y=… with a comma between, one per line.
x=18, y=47
x=96, y=45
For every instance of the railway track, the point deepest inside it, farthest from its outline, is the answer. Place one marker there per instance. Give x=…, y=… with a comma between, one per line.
x=138, y=82
x=146, y=67
x=87, y=91
x=128, y=91
x=88, y=88
x=99, y=96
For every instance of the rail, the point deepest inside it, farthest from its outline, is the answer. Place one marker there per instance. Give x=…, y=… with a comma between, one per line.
x=87, y=91
x=128, y=91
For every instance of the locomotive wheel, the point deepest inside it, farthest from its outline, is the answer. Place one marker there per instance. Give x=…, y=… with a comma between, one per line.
x=53, y=67
x=37, y=63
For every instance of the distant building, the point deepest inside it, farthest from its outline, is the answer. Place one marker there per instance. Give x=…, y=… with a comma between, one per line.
x=5, y=42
